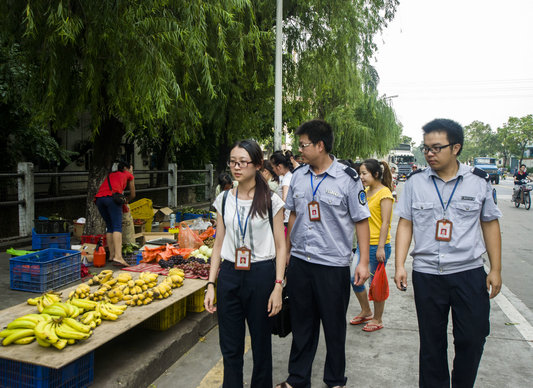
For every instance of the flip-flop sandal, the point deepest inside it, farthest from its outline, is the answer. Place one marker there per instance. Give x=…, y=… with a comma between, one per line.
x=358, y=320
x=370, y=327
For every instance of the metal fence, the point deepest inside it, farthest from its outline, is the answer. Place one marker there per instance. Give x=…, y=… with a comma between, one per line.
x=27, y=196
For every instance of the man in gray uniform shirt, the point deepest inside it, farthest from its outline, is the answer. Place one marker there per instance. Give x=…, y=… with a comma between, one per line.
x=446, y=207
x=326, y=200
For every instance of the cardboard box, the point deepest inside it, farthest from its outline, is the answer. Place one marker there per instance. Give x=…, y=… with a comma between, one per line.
x=148, y=236
x=162, y=214
x=87, y=252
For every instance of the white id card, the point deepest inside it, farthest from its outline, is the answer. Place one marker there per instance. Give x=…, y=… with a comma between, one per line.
x=444, y=230
x=243, y=258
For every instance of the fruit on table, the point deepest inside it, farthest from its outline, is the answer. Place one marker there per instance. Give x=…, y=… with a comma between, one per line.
x=81, y=292
x=101, y=278
x=45, y=300
x=109, y=311
x=59, y=309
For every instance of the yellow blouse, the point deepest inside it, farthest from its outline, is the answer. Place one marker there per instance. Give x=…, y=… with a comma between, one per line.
x=374, y=205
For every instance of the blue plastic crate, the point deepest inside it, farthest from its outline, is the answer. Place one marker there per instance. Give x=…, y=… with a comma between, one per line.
x=16, y=374
x=44, y=270
x=55, y=240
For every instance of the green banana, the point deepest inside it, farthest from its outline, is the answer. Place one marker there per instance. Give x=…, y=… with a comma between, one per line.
x=21, y=324
x=43, y=343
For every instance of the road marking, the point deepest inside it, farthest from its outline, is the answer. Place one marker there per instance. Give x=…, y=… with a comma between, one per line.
x=215, y=377
x=522, y=325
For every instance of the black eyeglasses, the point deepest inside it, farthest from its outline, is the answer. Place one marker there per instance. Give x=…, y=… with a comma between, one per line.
x=241, y=164
x=435, y=149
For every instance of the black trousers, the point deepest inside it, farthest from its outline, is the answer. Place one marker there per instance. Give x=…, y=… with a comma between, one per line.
x=466, y=294
x=317, y=293
x=243, y=295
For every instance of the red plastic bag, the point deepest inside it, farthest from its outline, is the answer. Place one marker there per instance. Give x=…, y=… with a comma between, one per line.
x=379, y=289
x=187, y=237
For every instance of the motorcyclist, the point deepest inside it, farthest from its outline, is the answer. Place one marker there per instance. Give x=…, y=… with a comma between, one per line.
x=520, y=179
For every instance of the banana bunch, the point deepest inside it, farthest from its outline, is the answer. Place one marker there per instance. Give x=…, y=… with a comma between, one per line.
x=176, y=271
x=45, y=300
x=103, y=289
x=124, y=277
x=101, y=278
x=116, y=294
x=81, y=292
x=109, y=311
x=175, y=281
x=149, y=278
x=60, y=332
x=91, y=319
x=21, y=330
x=143, y=298
x=59, y=309
x=84, y=304
x=163, y=290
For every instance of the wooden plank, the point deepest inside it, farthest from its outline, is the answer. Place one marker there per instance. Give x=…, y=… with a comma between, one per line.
x=54, y=358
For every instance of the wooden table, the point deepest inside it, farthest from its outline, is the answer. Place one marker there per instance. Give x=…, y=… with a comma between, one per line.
x=54, y=358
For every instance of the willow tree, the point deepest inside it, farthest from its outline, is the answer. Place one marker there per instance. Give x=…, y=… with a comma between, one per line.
x=327, y=72
x=126, y=65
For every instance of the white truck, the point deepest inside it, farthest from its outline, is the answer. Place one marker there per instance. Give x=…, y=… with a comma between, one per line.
x=402, y=157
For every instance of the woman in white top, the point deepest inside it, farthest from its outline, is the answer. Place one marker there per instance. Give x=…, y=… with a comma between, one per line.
x=251, y=256
x=282, y=166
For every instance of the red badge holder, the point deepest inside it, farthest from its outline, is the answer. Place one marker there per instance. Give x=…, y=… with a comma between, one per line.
x=314, y=211
x=243, y=259
x=444, y=230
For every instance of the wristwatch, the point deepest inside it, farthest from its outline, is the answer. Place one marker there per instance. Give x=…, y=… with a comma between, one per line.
x=282, y=282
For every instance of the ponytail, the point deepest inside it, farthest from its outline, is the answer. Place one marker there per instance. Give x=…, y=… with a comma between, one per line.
x=386, y=175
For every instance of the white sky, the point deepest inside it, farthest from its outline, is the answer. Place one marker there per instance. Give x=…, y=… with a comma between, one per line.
x=460, y=59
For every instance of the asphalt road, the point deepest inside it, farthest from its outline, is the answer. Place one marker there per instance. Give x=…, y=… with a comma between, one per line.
x=389, y=357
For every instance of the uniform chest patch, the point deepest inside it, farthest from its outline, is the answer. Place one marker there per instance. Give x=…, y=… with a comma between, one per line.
x=464, y=198
x=333, y=193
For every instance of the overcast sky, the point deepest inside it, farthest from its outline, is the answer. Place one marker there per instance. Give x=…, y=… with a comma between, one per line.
x=461, y=59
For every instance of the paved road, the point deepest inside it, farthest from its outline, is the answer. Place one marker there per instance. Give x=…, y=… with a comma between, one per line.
x=389, y=357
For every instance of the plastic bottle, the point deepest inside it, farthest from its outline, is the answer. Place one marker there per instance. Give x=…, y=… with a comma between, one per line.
x=99, y=255
x=172, y=221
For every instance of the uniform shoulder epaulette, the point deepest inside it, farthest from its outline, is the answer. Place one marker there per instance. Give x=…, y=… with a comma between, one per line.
x=480, y=173
x=413, y=173
x=352, y=173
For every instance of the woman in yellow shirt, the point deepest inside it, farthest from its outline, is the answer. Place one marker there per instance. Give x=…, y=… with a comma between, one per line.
x=377, y=178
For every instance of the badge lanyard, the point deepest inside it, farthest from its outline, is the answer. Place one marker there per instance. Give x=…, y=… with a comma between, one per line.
x=444, y=226
x=243, y=255
x=313, y=206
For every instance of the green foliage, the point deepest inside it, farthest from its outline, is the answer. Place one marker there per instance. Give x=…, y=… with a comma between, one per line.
x=479, y=140
x=516, y=134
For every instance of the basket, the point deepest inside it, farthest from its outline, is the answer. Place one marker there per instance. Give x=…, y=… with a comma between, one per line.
x=142, y=209
x=93, y=239
x=168, y=317
x=51, y=226
x=53, y=240
x=16, y=374
x=195, y=302
x=44, y=270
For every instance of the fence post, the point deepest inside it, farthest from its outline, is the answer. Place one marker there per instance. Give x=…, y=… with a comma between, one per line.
x=26, y=193
x=173, y=183
x=208, y=181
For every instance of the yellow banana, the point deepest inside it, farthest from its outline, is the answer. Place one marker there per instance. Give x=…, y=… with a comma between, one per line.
x=33, y=301
x=66, y=332
x=44, y=332
x=55, y=310
x=21, y=324
x=43, y=343
x=25, y=340
x=78, y=326
x=71, y=341
x=18, y=334
x=7, y=332
x=60, y=344
x=106, y=314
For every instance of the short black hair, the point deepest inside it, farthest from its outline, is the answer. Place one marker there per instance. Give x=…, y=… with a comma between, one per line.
x=317, y=130
x=523, y=165
x=454, y=131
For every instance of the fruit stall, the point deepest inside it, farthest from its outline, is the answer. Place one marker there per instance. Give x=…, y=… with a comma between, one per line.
x=30, y=362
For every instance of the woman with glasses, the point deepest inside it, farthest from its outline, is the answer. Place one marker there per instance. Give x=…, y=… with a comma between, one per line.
x=249, y=259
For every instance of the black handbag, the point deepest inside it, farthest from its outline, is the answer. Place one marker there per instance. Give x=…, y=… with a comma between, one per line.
x=281, y=323
x=119, y=198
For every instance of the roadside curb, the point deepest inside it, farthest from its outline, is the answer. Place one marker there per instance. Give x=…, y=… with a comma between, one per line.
x=139, y=356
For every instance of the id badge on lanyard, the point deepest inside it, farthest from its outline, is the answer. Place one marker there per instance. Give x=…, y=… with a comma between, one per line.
x=243, y=255
x=443, y=231
x=314, y=207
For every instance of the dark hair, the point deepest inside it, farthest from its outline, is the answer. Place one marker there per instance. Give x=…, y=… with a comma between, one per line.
x=317, y=130
x=379, y=170
x=356, y=166
x=261, y=202
x=454, y=131
x=123, y=165
x=268, y=166
x=523, y=165
x=279, y=157
x=224, y=179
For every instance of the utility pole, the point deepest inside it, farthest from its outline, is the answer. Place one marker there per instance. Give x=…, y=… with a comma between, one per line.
x=278, y=79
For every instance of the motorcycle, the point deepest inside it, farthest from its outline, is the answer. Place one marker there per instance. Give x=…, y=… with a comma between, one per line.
x=523, y=197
